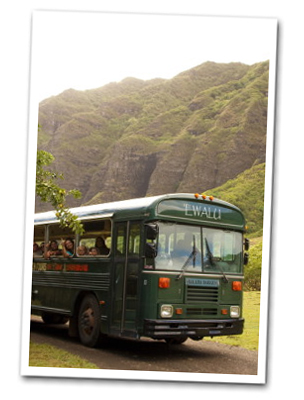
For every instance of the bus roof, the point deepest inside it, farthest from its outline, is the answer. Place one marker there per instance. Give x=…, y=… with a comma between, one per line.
x=169, y=206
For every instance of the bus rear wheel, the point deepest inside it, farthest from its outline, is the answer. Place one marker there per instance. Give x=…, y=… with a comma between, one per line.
x=89, y=321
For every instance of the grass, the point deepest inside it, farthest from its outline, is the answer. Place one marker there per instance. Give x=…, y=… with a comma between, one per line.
x=250, y=337
x=44, y=355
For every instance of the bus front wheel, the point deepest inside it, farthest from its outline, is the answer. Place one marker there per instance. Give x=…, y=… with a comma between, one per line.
x=89, y=321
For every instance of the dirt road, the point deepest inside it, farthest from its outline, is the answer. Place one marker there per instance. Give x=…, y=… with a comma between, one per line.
x=149, y=355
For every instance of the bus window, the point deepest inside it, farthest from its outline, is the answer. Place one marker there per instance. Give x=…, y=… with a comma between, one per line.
x=120, y=240
x=222, y=250
x=216, y=250
x=134, y=239
x=39, y=238
x=133, y=263
x=61, y=242
x=96, y=241
x=186, y=248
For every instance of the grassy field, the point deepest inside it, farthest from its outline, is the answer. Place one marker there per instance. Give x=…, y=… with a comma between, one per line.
x=42, y=355
x=250, y=337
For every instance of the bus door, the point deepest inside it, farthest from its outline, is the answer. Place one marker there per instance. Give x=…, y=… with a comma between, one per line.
x=126, y=270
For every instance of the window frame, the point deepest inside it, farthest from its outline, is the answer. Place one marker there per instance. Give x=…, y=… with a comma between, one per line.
x=65, y=233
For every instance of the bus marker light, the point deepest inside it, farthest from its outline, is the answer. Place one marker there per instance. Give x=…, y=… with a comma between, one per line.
x=178, y=311
x=224, y=311
x=196, y=195
x=211, y=197
x=164, y=283
x=237, y=286
x=204, y=196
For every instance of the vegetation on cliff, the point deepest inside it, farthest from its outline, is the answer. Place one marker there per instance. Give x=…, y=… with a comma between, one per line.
x=198, y=131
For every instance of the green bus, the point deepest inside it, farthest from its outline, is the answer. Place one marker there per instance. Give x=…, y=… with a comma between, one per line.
x=167, y=267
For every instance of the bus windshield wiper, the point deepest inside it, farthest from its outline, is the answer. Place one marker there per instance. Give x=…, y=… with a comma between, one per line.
x=192, y=256
x=211, y=259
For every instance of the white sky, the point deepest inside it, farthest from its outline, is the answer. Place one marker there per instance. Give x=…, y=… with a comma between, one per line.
x=86, y=50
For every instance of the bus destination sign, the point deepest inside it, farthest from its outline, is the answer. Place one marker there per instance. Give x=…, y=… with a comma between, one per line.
x=202, y=212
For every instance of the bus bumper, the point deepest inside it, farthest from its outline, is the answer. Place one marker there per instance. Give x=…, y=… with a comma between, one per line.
x=195, y=329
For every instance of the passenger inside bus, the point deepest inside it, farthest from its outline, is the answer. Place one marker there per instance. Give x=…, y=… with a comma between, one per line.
x=101, y=246
x=67, y=247
x=37, y=250
x=186, y=249
x=82, y=251
x=94, y=251
x=51, y=249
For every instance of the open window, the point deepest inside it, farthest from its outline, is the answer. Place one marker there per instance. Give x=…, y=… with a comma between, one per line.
x=96, y=241
x=51, y=241
x=39, y=240
x=61, y=242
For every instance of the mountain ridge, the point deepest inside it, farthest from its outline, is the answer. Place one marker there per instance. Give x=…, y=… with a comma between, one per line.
x=139, y=138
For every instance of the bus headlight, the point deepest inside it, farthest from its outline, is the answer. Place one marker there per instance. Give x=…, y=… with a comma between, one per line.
x=235, y=311
x=166, y=311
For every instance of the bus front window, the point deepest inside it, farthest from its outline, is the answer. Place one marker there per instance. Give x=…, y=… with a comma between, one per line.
x=197, y=249
x=222, y=250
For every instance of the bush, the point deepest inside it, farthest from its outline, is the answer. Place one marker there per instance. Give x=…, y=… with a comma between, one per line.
x=253, y=269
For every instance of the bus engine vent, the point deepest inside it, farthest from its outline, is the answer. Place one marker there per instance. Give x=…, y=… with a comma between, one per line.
x=200, y=294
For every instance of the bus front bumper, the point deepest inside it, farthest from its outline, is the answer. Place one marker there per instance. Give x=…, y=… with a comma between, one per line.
x=195, y=329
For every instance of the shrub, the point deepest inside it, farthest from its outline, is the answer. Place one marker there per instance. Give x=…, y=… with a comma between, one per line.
x=253, y=269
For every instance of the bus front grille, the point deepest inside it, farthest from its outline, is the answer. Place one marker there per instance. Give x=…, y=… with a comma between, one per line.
x=198, y=294
x=198, y=312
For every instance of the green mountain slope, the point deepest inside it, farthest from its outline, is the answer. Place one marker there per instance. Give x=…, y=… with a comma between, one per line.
x=246, y=191
x=136, y=138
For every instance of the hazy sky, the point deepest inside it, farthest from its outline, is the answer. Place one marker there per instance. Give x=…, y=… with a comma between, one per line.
x=84, y=50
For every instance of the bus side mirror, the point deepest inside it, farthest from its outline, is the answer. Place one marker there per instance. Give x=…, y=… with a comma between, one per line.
x=151, y=231
x=246, y=258
x=151, y=235
x=150, y=250
x=246, y=244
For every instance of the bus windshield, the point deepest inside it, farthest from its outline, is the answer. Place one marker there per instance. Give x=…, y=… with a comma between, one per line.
x=198, y=249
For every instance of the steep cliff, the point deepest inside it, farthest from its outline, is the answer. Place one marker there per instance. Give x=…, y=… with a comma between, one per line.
x=136, y=138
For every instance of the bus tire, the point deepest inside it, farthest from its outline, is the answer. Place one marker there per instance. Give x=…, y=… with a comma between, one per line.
x=89, y=321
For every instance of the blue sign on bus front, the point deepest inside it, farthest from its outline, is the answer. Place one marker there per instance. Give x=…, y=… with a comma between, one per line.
x=202, y=282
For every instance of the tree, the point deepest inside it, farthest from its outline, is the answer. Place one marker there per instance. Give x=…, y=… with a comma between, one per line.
x=49, y=191
x=254, y=268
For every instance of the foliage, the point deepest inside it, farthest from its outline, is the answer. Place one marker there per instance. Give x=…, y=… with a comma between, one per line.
x=254, y=267
x=246, y=191
x=221, y=108
x=251, y=313
x=49, y=191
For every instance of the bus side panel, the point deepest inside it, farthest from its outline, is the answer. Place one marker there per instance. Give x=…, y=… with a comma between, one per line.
x=59, y=291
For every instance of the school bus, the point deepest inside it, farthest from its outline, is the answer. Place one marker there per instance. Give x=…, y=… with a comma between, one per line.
x=166, y=267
